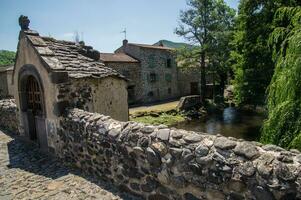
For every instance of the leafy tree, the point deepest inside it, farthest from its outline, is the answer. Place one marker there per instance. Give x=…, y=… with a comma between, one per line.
x=283, y=126
x=201, y=24
x=7, y=58
x=252, y=58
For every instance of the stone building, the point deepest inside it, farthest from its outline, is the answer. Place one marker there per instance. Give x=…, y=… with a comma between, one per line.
x=6, y=89
x=129, y=67
x=158, y=70
x=51, y=75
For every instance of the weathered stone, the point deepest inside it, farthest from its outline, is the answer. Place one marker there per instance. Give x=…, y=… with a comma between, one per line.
x=189, y=196
x=150, y=185
x=135, y=186
x=271, y=147
x=192, y=138
x=176, y=152
x=206, y=142
x=176, y=134
x=114, y=133
x=157, y=197
x=284, y=173
x=247, y=169
x=298, y=158
x=148, y=129
x=247, y=150
x=160, y=148
x=178, y=181
x=224, y=143
x=262, y=193
x=163, y=177
x=152, y=157
x=201, y=151
x=163, y=134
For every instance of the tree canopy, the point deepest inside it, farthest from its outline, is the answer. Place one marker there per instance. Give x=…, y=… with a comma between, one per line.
x=252, y=58
x=283, y=126
x=203, y=24
x=7, y=58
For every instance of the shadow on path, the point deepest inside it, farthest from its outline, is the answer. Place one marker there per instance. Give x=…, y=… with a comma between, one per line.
x=27, y=157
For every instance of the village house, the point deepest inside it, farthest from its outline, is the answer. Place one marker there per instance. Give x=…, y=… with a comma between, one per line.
x=152, y=71
x=50, y=75
x=157, y=69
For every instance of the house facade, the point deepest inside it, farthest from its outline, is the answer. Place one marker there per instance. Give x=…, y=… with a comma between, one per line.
x=157, y=68
x=50, y=75
x=156, y=76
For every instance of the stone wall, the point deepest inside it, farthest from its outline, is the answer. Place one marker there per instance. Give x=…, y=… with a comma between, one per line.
x=160, y=163
x=8, y=115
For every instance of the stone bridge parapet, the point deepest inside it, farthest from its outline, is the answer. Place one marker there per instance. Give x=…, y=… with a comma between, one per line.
x=161, y=163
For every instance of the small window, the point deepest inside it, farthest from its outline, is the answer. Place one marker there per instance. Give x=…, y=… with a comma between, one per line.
x=126, y=73
x=153, y=77
x=169, y=90
x=168, y=63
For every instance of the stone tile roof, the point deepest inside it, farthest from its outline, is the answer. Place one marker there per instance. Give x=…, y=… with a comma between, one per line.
x=151, y=46
x=78, y=60
x=117, y=57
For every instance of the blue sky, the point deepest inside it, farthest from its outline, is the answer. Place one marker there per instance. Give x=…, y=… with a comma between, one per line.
x=99, y=21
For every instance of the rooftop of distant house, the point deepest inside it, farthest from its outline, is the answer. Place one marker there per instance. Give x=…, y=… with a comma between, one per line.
x=117, y=57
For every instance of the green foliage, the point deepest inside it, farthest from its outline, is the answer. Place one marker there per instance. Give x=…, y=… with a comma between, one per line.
x=7, y=58
x=252, y=58
x=207, y=24
x=283, y=126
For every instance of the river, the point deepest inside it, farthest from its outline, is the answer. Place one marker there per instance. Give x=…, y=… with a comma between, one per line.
x=231, y=123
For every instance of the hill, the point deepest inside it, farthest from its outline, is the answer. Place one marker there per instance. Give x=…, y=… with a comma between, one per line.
x=170, y=44
x=7, y=58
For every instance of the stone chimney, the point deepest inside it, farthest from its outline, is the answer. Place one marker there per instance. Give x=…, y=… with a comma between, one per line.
x=125, y=42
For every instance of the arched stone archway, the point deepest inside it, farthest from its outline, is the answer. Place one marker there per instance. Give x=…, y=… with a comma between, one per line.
x=32, y=105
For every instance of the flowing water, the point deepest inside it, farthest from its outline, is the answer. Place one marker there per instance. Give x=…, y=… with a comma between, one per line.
x=231, y=122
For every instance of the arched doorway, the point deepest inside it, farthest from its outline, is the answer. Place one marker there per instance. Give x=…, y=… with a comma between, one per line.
x=32, y=106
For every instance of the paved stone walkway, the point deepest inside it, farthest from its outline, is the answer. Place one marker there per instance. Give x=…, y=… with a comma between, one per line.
x=27, y=174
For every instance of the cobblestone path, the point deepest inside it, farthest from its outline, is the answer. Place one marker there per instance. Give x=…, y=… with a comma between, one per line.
x=25, y=173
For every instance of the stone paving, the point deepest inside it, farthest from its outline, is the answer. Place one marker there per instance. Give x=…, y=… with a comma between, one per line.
x=25, y=173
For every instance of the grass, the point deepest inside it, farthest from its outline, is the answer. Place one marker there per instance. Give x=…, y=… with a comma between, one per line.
x=163, y=118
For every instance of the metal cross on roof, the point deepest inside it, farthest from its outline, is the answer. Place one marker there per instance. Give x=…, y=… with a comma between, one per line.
x=124, y=33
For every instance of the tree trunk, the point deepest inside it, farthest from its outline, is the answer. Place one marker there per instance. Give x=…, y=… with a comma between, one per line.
x=203, y=77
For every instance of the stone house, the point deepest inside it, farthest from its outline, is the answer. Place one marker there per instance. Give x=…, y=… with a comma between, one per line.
x=50, y=75
x=158, y=73
x=129, y=67
x=6, y=90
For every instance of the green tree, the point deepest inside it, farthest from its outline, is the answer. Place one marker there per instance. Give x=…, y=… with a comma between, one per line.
x=283, y=126
x=252, y=58
x=7, y=58
x=200, y=24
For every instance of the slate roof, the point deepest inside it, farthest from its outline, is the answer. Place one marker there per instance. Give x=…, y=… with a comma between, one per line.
x=117, y=57
x=68, y=56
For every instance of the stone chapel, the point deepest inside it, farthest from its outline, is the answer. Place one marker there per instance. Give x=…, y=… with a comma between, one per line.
x=50, y=75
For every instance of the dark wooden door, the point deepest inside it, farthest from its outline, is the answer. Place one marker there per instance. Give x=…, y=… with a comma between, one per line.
x=34, y=106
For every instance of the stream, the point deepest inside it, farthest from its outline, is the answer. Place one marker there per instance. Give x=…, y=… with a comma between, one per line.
x=230, y=123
